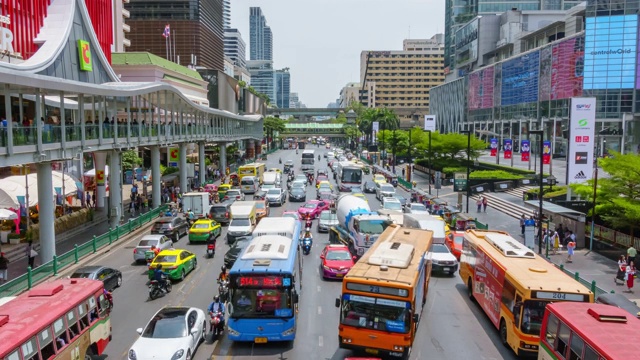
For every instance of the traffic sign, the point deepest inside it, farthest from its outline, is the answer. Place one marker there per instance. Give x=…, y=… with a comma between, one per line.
x=460, y=182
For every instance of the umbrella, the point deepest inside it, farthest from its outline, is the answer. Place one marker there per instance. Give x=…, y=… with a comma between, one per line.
x=7, y=215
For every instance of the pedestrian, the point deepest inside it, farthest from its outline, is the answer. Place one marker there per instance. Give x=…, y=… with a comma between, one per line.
x=479, y=203
x=522, y=220
x=88, y=199
x=4, y=266
x=556, y=242
x=31, y=254
x=631, y=254
x=403, y=172
x=571, y=246
x=485, y=202
x=560, y=231
x=629, y=275
x=622, y=267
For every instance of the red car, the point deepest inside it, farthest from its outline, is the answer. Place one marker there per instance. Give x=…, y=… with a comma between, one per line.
x=313, y=208
x=336, y=261
x=454, y=243
x=321, y=178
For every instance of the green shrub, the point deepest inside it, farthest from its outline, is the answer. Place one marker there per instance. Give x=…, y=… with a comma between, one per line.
x=510, y=169
x=170, y=170
x=494, y=174
x=454, y=169
x=547, y=189
x=552, y=194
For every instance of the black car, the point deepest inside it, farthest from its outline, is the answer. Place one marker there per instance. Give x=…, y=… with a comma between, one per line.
x=234, y=251
x=297, y=194
x=370, y=187
x=111, y=278
x=173, y=227
x=260, y=195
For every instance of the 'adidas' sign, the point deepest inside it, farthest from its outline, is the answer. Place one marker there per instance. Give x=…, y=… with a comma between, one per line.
x=580, y=175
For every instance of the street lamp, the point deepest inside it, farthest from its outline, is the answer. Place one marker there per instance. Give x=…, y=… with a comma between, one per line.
x=430, y=163
x=551, y=180
x=412, y=123
x=541, y=133
x=468, y=132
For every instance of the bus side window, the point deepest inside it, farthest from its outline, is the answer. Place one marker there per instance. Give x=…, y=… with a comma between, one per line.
x=103, y=305
x=552, y=330
x=60, y=332
x=93, y=310
x=30, y=349
x=72, y=322
x=508, y=295
x=577, y=345
x=46, y=343
x=562, y=345
x=590, y=354
x=82, y=316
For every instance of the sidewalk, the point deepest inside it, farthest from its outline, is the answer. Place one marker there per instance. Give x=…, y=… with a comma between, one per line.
x=590, y=265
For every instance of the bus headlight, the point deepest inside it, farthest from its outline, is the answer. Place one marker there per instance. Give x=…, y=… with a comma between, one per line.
x=289, y=332
x=232, y=332
x=398, y=348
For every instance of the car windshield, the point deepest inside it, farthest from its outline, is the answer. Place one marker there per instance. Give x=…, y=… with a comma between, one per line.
x=458, y=239
x=301, y=177
x=273, y=192
x=327, y=215
x=233, y=192
x=169, y=325
x=400, y=198
x=387, y=188
x=289, y=162
x=370, y=184
x=324, y=187
x=299, y=184
x=240, y=222
x=145, y=242
x=219, y=209
x=260, y=205
x=376, y=313
x=200, y=226
x=418, y=207
x=392, y=205
x=247, y=182
x=165, y=259
x=297, y=191
x=310, y=205
x=439, y=249
x=338, y=255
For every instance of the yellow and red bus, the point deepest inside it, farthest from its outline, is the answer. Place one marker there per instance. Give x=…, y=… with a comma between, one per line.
x=384, y=292
x=589, y=332
x=62, y=319
x=513, y=285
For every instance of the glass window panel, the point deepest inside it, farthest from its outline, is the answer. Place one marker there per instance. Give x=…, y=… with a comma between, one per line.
x=14, y=356
x=45, y=336
x=58, y=326
x=29, y=348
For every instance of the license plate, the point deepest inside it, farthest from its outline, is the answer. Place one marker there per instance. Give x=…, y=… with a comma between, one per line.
x=445, y=269
x=372, y=351
x=339, y=275
x=260, y=340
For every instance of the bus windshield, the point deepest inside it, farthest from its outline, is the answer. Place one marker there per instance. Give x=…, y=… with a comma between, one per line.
x=351, y=175
x=532, y=314
x=376, y=313
x=250, y=303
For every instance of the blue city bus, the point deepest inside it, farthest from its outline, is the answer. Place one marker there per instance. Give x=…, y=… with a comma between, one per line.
x=264, y=284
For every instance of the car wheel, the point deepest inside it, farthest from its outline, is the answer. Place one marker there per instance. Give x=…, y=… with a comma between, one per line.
x=182, y=274
x=119, y=281
x=195, y=263
x=204, y=332
x=188, y=355
x=176, y=237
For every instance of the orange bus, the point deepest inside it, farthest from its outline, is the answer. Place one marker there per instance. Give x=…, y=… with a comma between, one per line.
x=61, y=319
x=513, y=285
x=589, y=332
x=384, y=292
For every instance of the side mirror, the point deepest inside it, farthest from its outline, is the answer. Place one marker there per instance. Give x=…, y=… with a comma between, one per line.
x=296, y=298
x=337, y=304
x=416, y=318
x=139, y=331
x=355, y=258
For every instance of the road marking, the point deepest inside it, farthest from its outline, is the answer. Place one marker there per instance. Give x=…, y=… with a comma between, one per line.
x=319, y=310
x=320, y=341
x=319, y=288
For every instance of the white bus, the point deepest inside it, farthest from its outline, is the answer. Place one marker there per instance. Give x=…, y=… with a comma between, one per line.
x=348, y=175
x=283, y=226
x=308, y=157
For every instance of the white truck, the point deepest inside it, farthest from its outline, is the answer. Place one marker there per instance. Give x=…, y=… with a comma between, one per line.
x=427, y=222
x=243, y=220
x=358, y=227
x=198, y=202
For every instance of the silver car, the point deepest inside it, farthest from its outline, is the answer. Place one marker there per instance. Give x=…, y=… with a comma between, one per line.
x=327, y=220
x=160, y=241
x=384, y=190
x=416, y=208
x=276, y=196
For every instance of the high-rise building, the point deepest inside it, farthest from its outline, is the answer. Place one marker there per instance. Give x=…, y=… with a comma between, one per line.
x=235, y=47
x=283, y=88
x=260, y=36
x=120, y=29
x=349, y=93
x=401, y=80
x=226, y=14
x=197, y=34
x=263, y=77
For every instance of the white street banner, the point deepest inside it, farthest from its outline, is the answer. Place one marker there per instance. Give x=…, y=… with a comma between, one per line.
x=430, y=123
x=581, y=140
x=375, y=126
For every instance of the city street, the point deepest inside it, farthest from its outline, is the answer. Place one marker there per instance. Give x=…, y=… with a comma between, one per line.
x=451, y=319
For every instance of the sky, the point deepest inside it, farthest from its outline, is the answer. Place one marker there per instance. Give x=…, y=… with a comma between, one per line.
x=320, y=41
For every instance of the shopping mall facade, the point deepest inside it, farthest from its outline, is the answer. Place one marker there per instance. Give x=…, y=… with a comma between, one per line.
x=590, y=51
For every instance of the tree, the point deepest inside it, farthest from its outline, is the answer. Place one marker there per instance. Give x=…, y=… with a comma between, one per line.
x=130, y=160
x=618, y=196
x=451, y=146
x=272, y=125
x=352, y=133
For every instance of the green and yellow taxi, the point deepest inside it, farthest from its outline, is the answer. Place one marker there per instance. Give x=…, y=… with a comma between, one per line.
x=378, y=178
x=222, y=190
x=324, y=183
x=177, y=263
x=278, y=170
x=204, y=229
x=361, y=196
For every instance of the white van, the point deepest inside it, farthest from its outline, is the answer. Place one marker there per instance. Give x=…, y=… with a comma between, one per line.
x=427, y=222
x=249, y=184
x=284, y=226
x=243, y=220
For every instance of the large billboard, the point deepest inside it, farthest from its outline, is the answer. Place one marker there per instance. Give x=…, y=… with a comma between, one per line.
x=582, y=125
x=567, y=69
x=610, y=52
x=520, y=79
x=481, y=89
x=467, y=43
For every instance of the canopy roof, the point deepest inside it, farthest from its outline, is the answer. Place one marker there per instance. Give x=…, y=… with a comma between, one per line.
x=14, y=186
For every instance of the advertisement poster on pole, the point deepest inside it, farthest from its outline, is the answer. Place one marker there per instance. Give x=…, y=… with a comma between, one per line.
x=174, y=157
x=460, y=182
x=430, y=123
x=582, y=140
x=494, y=147
x=375, y=128
x=508, y=148
x=546, y=152
x=525, y=150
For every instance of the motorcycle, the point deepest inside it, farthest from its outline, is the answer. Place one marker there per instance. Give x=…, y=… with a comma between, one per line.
x=156, y=289
x=216, y=325
x=211, y=250
x=279, y=161
x=223, y=290
x=306, y=245
x=308, y=223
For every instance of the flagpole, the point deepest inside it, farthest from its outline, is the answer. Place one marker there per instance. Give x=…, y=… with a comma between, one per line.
x=175, y=56
x=170, y=49
x=166, y=46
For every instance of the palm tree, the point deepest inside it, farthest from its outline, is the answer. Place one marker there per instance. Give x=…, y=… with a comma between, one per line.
x=271, y=125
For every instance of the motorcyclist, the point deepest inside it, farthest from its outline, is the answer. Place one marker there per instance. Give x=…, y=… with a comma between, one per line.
x=190, y=217
x=211, y=240
x=318, y=157
x=280, y=160
x=224, y=276
x=161, y=277
x=296, y=151
x=308, y=221
x=307, y=234
x=217, y=306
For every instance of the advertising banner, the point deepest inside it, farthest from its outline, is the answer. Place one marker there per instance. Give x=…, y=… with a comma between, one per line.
x=520, y=79
x=430, y=123
x=375, y=126
x=610, y=52
x=174, y=156
x=488, y=280
x=460, y=182
x=546, y=152
x=544, y=84
x=58, y=191
x=508, y=148
x=23, y=208
x=100, y=177
x=582, y=121
x=525, y=150
x=494, y=147
x=480, y=94
x=567, y=71
x=84, y=54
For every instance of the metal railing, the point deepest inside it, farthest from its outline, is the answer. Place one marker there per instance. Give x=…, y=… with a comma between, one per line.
x=60, y=262
x=597, y=291
x=612, y=236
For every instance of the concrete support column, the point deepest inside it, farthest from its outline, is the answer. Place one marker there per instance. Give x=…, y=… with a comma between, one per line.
x=183, y=167
x=100, y=178
x=46, y=211
x=223, y=158
x=250, y=149
x=203, y=169
x=258, y=145
x=155, y=176
x=115, y=188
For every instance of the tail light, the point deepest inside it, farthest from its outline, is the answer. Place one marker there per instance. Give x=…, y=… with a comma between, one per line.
x=135, y=251
x=226, y=215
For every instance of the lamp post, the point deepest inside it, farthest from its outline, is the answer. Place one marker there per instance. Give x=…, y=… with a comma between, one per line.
x=541, y=133
x=593, y=207
x=412, y=124
x=430, y=164
x=468, y=132
x=551, y=180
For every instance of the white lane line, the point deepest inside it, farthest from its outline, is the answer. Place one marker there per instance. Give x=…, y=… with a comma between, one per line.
x=319, y=288
x=320, y=341
x=319, y=310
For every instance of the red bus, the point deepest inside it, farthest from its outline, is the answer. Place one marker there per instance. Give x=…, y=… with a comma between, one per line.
x=61, y=319
x=588, y=332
